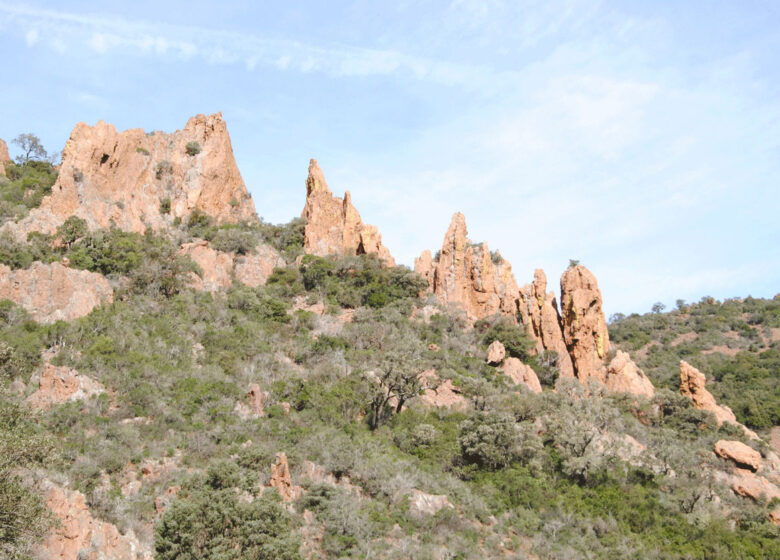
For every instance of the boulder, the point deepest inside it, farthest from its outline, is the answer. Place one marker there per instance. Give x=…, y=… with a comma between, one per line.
x=59, y=384
x=692, y=385
x=52, y=292
x=333, y=225
x=423, y=503
x=747, y=484
x=521, y=374
x=470, y=277
x=539, y=310
x=624, y=376
x=738, y=453
x=496, y=352
x=79, y=535
x=584, y=326
x=133, y=180
x=441, y=394
x=4, y=157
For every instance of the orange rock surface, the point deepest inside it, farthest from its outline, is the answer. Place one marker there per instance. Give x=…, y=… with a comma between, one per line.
x=52, y=292
x=59, y=384
x=122, y=178
x=4, y=157
x=333, y=225
x=693, y=385
x=624, y=376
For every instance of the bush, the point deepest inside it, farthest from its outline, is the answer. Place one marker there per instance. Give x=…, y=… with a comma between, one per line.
x=512, y=336
x=192, y=148
x=165, y=205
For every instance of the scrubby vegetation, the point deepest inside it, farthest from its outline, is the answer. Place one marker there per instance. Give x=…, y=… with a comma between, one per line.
x=24, y=187
x=735, y=342
x=335, y=344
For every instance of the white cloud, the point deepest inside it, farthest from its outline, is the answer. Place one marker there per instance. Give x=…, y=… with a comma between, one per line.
x=31, y=37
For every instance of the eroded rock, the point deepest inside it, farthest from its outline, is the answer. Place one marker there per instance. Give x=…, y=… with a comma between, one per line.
x=281, y=479
x=423, y=503
x=496, y=352
x=4, y=157
x=333, y=225
x=441, y=394
x=52, y=292
x=219, y=268
x=59, y=384
x=133, y=180
x=693, y=385
x=521, y=374
x=584, y=326
x=469, y=276
x=738, y=453
x=81, y=536
x=624, y=376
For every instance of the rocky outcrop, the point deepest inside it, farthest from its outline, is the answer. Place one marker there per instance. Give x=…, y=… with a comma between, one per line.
x=747, y=484
x=583, y=323
x=624, y=376
x=440, y=394
x=423, y=503
x=521, y=374
x=80, y=536
x=134, y=180
x=281, y=479
x=219, y=268
x=496, y=352
x=692, y=385
x=254, y=403
x=59, y=384
x=333, y=225
x=468, y=276
x=52, y=292
x=4, y=157
x=539, y=311
x=738, y=453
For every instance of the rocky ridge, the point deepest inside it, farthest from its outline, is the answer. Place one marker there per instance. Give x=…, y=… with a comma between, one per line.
x=133, y=180
x=333, y=225
x=4, y=157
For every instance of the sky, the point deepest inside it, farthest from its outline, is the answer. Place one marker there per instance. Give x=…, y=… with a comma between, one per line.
x=640, y=138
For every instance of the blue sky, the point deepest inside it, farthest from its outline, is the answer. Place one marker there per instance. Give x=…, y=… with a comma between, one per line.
x=642, y=138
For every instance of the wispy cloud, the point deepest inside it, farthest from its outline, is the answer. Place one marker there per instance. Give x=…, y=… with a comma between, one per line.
x=103, y=35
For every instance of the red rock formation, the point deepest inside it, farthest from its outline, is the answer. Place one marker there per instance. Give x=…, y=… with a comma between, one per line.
x=441, y=394
x=692, y=385
x=220, y=268
x=51, y=292
x=749, y=485
x=465, y=275
x=496, y=352
x=624, y=376
x=59, y=384
x=4, y=157
x=521, y=374
x=740, y=454
x=79, y=535
x=539, y=310
x=281, y=479
x=122, y=178
x=584, y=325
x=333, y=225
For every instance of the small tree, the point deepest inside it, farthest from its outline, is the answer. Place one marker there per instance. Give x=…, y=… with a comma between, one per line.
x=573, y=263
x=72, y=230
x=31, y=147
x=658, y=307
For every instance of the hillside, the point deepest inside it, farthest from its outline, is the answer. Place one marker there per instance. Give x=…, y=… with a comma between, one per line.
x=188, y=381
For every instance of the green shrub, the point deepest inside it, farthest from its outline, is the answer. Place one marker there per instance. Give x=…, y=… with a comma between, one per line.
x=192, y=148
x=165, y=205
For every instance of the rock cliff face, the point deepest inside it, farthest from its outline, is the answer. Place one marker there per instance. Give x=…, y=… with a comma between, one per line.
x=584, y=326
x=80, y=535
x=333, y=225
x=4, y=157
x=51, y=292
x=127, y=179
x=466, y=276
x=540, y=314
x=220, y=268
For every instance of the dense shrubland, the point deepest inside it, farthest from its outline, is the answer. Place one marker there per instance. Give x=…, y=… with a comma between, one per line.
x=557, y=475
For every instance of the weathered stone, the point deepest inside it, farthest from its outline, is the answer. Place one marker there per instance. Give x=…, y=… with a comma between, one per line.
x=281, y=479
x=59, y=384
x=52, y=292
x=539, y=311
x=423, y=503
x=747, y=484
x=469, y=277
x=496, y=352
x=219, y=268
x=624, y=376
x=333, y=225
x=584, y=326
x=738, y=453
x=521, y=374
x=441, y=394
x=4, y=157
x=693, y=385
x=81, y=536
x=127, y=179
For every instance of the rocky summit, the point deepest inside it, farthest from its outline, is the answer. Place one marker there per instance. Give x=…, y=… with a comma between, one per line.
x=181, y=379
x=4, y=157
